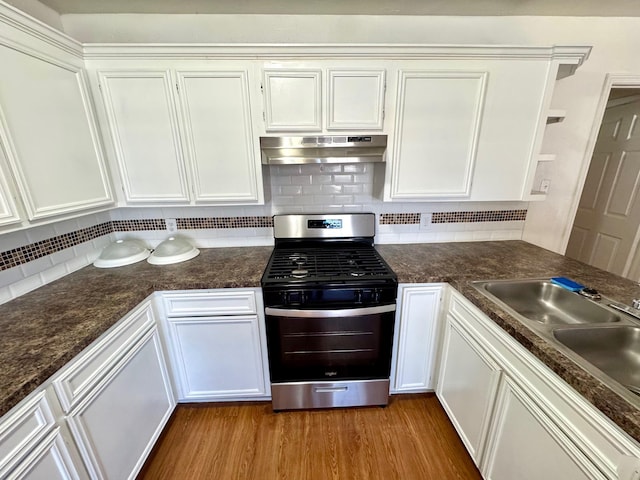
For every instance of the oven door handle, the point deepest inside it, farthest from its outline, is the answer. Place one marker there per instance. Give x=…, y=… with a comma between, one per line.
x=346, y=312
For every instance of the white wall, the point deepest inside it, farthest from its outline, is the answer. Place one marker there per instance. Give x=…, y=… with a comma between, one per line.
x=614, y=41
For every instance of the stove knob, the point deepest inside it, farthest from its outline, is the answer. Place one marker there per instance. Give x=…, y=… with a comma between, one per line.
x=358, y=296
x=376, y=295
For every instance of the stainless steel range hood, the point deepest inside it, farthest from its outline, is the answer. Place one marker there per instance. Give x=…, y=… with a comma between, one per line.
x=327, y=149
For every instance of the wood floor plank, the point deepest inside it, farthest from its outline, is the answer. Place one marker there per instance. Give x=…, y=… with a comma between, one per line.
x=410, y=439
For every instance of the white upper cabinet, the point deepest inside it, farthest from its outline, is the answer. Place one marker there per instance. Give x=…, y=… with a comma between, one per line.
x=355, y=99
x=324, y=99
x=143, y=124
x=183, y=135
x=437, y=129
x=49, y=136
x=218, y=135
x=469, y=127
x=292, y=100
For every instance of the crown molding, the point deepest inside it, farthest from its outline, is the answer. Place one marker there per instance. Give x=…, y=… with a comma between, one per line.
x=19, y=20
x=569, y=54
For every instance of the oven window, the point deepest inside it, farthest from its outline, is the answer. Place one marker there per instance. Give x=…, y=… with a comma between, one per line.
x=302, y=349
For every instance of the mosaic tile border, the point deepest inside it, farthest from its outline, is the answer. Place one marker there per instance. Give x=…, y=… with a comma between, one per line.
x=399, y=218
x=455, y=217
x=18, y=256
x=21, y=255
x=485, y=216
x=28, y=253
x=224, y=222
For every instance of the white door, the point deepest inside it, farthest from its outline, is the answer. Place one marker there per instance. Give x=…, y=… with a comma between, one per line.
x=415, y=338
x=218, y=136
x=50, y=460
x=467, y=386
x=118, y=423
x=218, y=357
x=606, y=224
x=525, y=444
x=355, y=99
x=437, y=131
x=144, y=127
x=49, y=135
x=292, y=100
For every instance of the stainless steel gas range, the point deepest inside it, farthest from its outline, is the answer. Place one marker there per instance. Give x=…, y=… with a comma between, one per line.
x=330, y=303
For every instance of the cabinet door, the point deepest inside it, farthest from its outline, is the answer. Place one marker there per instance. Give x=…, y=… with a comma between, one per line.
x=356, y=99
x=218, y=357
x=143, y=122
x=116, y=426
x=467, y=386
x=416, y=332
x=218, y=136
x=50, y=460
x=292, y=100
x=8, y=211
x=48, y=132
x=525, y=444
x=436, y=133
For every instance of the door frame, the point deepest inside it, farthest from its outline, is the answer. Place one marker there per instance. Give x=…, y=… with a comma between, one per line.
x=612, y=80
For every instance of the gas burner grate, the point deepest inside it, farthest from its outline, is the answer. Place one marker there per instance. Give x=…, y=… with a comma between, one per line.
x=322, y=263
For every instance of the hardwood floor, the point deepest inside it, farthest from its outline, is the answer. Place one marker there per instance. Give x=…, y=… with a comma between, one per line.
x=410, y=439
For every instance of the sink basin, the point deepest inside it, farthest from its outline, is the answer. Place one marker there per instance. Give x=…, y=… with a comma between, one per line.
x=613, y=349
x=546, y=303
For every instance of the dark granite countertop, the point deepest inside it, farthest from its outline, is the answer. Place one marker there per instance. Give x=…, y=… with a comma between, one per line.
x=46, y=328
x=43, y=330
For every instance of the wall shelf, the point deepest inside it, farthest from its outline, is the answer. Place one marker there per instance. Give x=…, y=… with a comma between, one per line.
x=546, y=157
x=555, y=116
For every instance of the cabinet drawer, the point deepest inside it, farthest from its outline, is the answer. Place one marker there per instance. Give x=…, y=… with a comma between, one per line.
x=89, y=367
x=232, y=302
x=23, y=428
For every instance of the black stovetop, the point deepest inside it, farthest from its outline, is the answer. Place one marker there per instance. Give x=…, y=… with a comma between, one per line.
x=326, y=263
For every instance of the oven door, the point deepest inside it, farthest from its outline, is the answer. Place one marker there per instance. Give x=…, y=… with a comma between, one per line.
x=329, y=345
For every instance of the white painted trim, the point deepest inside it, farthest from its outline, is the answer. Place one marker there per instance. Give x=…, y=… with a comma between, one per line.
x=19, y=20
x=612, y=80
x=573, y=55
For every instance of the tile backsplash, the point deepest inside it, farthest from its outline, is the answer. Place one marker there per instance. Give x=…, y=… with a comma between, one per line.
x=31, y=258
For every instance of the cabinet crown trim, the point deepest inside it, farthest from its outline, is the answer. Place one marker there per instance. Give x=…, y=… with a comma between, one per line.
x=19, y=20
x=563, y=54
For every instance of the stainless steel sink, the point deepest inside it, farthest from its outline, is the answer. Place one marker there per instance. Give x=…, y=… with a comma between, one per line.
x=602, y=340
x=613, y=349
x=546, y=302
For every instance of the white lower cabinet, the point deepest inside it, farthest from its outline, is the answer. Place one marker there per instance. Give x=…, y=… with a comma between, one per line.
x=415, y=338
x=36, y=444
x=467, y=386
x=524, y=443
x=50, y=460
x=218, y=344
x=517, y=418
x=118, y=423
